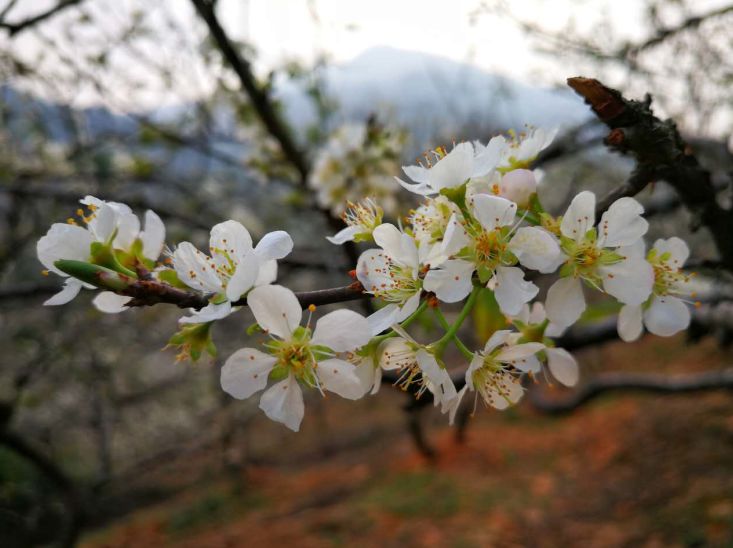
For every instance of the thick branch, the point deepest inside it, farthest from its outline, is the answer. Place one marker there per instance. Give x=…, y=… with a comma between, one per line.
x=633, y=382
x=15, y=28
x=150, y=292
x=660, y=153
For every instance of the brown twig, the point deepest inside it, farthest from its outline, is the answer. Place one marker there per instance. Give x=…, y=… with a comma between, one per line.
x=20, y=26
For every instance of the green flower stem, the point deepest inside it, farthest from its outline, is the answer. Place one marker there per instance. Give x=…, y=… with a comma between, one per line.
x=440, y=345
x=530, y=217
x=457, y=341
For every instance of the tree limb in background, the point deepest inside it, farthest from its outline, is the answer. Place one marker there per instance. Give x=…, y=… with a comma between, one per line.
x=633, y=382
x=660, y=153
x=20, y=26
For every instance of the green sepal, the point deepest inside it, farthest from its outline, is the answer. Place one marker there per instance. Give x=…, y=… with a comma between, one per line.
x=457, y=195
x=103, y=254
x=193, y=340
x=535, y=206
x=170, y=277
x=254, y=329
x=96, y=275
x=484, y=274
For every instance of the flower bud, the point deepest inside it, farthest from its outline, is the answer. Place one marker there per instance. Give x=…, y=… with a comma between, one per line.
x=518, y=185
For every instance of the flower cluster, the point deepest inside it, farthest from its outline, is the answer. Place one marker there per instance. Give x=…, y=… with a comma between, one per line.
x=480, y=237
x=358, y=161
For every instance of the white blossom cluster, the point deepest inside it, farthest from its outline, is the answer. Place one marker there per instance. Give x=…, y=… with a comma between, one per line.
x=481, y=229
x=359, y=160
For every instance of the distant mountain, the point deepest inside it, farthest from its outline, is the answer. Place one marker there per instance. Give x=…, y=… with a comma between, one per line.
x=434, y=97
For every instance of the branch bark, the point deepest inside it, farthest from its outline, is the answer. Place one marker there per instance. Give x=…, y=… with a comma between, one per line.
x=660, y=153
x=20, y=26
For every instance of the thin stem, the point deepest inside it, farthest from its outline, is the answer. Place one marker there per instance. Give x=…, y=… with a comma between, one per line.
x=456, y=340
x=453, y=329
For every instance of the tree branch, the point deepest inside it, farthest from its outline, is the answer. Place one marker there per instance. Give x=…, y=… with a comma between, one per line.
x=633, y=382
x=15, y=28
x=660, y=153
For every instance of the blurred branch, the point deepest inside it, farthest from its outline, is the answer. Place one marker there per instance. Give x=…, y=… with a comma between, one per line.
x=70, y=492
x=20, y=26
x=261, y=101
x=660, y=153
x=633, y=382
x=665, y=33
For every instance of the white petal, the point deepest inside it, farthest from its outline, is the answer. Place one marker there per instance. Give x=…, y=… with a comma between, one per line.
x=530, y=364
x=276, y=309
x=580, y=216
x=440, y=383
x=342, y=330
x=515, y=352
x=71, y=289
x=488, y=157
x=497, y=338
x=63, y=241
x=268, y=273
x=452, y=282
x=422, y=189
x=535, y=248
x=409, y=307
x=128, y=229
x=195, y=269
x=244, y=277
x=283, y=402
x=636, y=250
x=153, y=237
x=493, y=212
x=103, y=222
x=418, y=174
x=537, y=314
x=565, y=302
x=677, y=249
x=344, y=235
x=666, y=316
x=339, y=377
x=622, y=224
x=372, y=270
x=274, y=245
x=630, y=280
x=510, y=393
x=388, y=237
x=455, y=237
x=455, y=404
x=229, y=237
x=383, y=318
x=210, y=313
x=563, y=366
x=454, y=169
x=111, y=303
x=512, y=290
x=629, y=324
x=246, y=372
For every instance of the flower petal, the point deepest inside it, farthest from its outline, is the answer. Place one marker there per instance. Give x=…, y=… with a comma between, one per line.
x=493, y=212
x=246, y=372
x=344, y=235
x=666, y=316
x=580, y=216
x=383, y=318
x=342, y=330
x=563, y=366
x=535, y=248
x=622, y=224
x=153, y=236
x=439, y=381
x=276, y=309
x=518, y=185
x=111, y=303
x=452, y=282
x=232, y=238
x=630, y=280
x=677, y=249
x=283, y=402
x=516, y=352
x=63, y=241
x=71, y=289
x=244, y=276
x=454, y=169
x=512, y=290
x=565, y=302
x=195, y=269
x=128, y=229
x=629, y=324
x=339, y=377
x=274, y=245
x=210, y=313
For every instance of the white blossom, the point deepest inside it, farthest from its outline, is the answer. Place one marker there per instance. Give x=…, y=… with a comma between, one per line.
x=295, y=356
x=233, y=268
x=665, y=312
x=595, y=255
